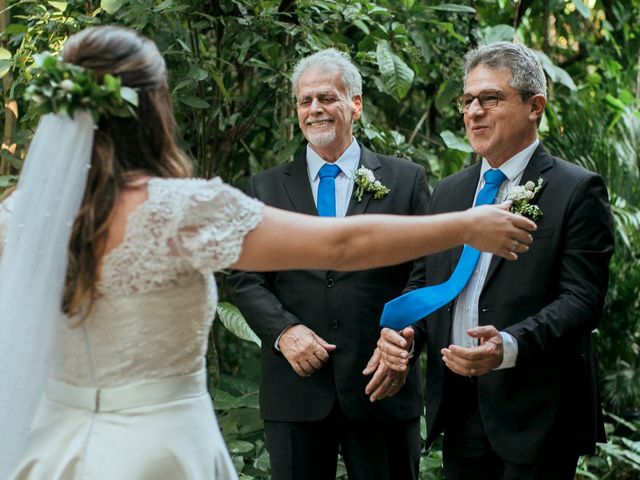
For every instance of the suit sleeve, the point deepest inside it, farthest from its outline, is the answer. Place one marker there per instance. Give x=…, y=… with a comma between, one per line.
x=419, y=206
x=251, y=292
x=420, y=328
x=583, y=275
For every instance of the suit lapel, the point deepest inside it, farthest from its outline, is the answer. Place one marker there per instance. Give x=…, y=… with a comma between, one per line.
x=296, y=184
x=537, y=167
x=369, y=160
x=462, y=198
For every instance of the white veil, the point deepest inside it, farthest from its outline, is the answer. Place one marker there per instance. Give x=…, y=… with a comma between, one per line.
x=33, y=268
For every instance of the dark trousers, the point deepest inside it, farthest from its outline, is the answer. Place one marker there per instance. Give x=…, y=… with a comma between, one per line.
x=467, y=452
x=372, y=450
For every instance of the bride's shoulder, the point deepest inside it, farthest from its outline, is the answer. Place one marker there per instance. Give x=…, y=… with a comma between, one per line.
x=190, y=190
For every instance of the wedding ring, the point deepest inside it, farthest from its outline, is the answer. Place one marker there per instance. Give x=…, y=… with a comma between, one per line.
x=393, y=384
x=472, y=372
x=515, y=245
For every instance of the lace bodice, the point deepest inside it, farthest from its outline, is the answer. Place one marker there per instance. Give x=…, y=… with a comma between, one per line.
x=157, y=292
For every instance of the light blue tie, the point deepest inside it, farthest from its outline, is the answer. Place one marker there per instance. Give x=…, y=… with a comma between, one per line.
x=327, y=190
x=411, y=307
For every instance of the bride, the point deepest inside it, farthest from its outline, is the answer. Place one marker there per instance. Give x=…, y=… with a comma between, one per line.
x=106, y=286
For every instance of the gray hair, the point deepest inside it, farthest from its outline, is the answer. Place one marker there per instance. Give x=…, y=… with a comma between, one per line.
x=333, y=60
x=527, y=75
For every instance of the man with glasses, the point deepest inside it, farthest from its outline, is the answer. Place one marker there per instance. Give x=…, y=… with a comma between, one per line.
x=319, y=327
x=510, y=367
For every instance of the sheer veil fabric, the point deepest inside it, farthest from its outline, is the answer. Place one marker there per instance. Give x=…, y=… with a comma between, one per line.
x=33, y=268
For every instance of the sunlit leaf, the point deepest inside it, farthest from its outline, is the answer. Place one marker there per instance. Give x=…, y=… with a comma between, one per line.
x=451, y=140
x=239, y=446
x=58, y=5
x=233, y=320
x=497, y=33
x=5, y=61
x=556, y=73
x=111, y=6
x=452, y=7
x=361, y=25
x=582, y=8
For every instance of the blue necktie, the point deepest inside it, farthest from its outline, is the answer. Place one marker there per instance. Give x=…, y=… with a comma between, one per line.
x=411, y=307
x=327, y=190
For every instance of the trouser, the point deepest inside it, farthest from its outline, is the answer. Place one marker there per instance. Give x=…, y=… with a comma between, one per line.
x=467, y=452
x=371, y=449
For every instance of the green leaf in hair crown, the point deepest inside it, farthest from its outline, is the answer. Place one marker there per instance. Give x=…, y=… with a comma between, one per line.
x=64, y=88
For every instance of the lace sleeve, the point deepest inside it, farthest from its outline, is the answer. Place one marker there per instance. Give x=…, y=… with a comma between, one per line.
x=215, y=220
x=5, y=211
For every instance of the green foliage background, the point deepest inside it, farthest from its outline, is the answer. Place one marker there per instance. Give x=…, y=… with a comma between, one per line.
x=229, y=62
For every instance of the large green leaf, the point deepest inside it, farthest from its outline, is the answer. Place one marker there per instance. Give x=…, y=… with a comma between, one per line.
x=556, y=73
x=497, y=33
x=396, y=75
x=111, y=6
x=452, y=7
x=582, y=8
x=8, y=180
x=5, y=61
x=447, y=93
x=58, y=5
x=194, y=102
x=451, y=140
x=233, y=320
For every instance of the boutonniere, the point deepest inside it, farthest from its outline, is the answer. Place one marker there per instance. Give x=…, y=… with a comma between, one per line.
x=521, y=197
x=366, y=182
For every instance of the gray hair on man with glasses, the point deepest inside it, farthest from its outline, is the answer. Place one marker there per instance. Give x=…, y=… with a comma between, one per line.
x=527, y=75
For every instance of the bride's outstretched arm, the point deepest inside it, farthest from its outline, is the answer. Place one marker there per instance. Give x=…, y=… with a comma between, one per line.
x=286, y=240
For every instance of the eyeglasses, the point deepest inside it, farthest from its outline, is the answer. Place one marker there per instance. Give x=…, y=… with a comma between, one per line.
x=487, y=99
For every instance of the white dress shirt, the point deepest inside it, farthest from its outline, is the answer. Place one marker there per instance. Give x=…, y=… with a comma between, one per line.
x=348, y=164
x=465, y=314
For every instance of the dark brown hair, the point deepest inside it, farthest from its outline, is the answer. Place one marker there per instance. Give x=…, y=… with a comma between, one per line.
x=122, y=147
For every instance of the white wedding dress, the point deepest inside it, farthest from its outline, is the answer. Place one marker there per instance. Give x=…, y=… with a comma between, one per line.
x=127, y=397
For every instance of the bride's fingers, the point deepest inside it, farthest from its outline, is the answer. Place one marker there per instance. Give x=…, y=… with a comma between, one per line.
x=523, y=222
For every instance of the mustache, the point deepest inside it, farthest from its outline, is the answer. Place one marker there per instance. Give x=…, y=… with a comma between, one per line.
x=318, y=120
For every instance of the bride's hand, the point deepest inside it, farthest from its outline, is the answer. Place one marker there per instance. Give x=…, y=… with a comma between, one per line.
x=494, y=229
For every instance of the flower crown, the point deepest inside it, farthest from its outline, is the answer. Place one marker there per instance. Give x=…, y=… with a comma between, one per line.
x=60, y=87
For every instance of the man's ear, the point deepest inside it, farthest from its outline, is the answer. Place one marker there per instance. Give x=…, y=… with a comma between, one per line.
x=356, y=104
x=538, y=102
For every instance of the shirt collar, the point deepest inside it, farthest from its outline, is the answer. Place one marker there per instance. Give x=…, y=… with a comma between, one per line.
x=513, y=167
x=348, y=161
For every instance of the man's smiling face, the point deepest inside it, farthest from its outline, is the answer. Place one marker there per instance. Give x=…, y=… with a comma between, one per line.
x=325, y=113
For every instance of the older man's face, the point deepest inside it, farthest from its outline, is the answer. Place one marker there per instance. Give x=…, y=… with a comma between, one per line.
x=325, y=113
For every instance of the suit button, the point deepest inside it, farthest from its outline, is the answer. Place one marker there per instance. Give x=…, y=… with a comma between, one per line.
x=330, y=282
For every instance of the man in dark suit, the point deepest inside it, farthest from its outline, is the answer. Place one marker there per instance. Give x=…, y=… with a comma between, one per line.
x=318, y=328
x=510, y=367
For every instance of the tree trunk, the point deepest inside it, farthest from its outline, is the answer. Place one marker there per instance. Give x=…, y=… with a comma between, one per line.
x=10, y=106
x=546, y=27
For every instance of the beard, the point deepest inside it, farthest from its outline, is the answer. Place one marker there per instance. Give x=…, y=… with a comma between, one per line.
x=321, y=139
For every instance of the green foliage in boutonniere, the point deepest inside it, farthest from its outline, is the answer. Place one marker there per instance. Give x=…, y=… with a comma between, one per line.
x=64, y=88
x=521, y=197
x=366, y=182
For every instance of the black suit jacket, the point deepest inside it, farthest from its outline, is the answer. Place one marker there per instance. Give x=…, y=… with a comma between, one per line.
x=550, y=300
x=342, y=307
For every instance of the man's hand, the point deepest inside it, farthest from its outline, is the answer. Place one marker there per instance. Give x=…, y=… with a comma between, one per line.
x=394, y=348
x=385, y=381
x=305, y=351
x=478, y=360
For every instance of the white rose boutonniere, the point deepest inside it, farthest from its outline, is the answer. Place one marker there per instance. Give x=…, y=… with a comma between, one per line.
x=366, y=182
x=521, y=197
